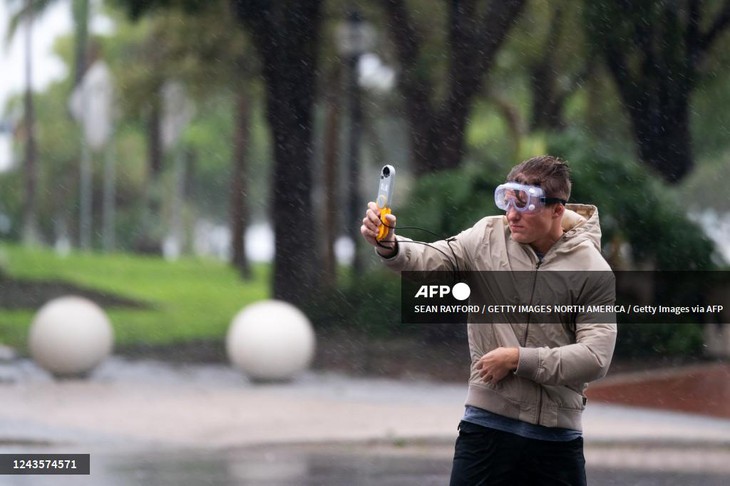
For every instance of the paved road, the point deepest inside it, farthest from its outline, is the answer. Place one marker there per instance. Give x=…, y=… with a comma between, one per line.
x=152, y=423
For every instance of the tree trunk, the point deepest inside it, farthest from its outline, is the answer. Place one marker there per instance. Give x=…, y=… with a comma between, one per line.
x=654, y=51
x=80, y=10
x=663, y=135
x=355, y=203
x=475, y=36
x=330, y=161
x=154, y=139
x=546, y=111
x=149, y=241
x=658, y=106
x=239, y=203
x=547, y=98
x=286, y=37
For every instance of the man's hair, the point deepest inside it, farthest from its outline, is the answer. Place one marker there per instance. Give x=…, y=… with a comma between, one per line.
x=545, y=171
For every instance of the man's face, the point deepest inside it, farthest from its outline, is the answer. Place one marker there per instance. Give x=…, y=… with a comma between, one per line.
x=532, y=228
x=539, y=227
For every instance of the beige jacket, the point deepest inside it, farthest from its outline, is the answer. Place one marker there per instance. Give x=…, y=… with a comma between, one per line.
x=556, y=360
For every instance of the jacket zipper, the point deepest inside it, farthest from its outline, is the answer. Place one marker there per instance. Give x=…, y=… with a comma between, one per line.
x=532, y=296
x=527, y=332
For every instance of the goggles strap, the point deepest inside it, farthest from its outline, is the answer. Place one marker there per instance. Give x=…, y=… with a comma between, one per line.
x=551, y=200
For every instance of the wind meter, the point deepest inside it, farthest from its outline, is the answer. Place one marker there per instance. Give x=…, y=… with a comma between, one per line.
x=385, y=197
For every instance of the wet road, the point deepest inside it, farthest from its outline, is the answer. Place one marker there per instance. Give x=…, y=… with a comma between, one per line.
x=146, y=423
x=329, y=465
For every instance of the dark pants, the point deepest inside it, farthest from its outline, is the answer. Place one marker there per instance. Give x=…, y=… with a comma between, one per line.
x=484, y=456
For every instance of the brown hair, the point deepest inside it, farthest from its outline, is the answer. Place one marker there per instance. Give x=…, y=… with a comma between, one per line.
x=545, y=171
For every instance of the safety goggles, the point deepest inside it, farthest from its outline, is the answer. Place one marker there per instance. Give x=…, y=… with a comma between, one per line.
x=522, y=197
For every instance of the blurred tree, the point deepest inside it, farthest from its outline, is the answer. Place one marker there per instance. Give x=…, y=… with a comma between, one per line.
x=554, y=52
x=204, y=49
x=26, y=14
x=636, y=208
x=475, y=31
x=239, y=208
x=547, y=98
x=330, y=154
x=80, y=14
x=146, y=69
x=56, y=177
x=286, y=37
x=655, y=51
x=209, y=51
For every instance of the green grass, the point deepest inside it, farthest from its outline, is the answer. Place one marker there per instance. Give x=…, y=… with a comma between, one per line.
x=188, y=300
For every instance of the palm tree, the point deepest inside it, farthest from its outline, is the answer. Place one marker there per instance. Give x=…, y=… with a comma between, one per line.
x=26, y=14
x=30, y=166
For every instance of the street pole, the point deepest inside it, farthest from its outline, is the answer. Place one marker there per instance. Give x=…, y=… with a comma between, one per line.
x=85, y=196
x=355, y=37
x=108, y=217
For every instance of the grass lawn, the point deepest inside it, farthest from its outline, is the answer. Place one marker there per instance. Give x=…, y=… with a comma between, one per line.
x=187, y=300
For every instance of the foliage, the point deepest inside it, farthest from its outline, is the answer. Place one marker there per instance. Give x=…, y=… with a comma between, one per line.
x=636, y=206
x=203, y=51
x=437, y=102
x=443, y=204
x=34, y=7
x=188, y=300
x=205, y=46
x=57, y=168
x=640, y=210
x=656, y=51
x=368, y=303
x=645, y=340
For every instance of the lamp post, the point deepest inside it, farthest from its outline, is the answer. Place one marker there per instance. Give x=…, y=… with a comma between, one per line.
x=354, y=38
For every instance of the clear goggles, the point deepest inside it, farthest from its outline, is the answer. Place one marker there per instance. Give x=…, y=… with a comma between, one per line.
x=522, y=197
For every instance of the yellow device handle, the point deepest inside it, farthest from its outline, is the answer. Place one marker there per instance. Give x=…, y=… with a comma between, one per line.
x=383, y=228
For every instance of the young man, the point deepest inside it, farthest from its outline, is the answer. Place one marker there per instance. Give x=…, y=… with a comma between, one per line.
x=522, y=423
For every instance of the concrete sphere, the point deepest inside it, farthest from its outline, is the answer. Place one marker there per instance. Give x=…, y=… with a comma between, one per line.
x=69, y=336
x=270, y=340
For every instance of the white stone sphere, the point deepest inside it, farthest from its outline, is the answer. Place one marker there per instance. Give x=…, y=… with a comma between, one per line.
x=70, y=335
x=270, y=340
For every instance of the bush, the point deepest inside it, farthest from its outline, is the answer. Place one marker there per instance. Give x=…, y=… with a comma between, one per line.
x=646, y=340
x=369, y=303
x=638, y=209
x=635, y=207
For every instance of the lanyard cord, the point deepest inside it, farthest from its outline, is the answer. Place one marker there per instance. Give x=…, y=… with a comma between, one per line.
x=451, y=259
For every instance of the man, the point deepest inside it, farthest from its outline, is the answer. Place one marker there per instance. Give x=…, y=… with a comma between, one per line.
x=522, y=423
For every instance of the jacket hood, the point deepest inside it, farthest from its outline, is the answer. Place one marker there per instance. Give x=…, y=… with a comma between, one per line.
x=580, y=223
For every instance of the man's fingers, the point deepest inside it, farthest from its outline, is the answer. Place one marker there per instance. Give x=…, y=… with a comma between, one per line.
x=366, y=232
x=391, y=219
x=373, y=214
x=372, y=225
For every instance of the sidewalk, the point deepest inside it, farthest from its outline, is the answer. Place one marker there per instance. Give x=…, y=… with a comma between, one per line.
x=214, y=406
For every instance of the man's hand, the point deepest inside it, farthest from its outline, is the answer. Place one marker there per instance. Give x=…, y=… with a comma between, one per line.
x=370, y=227
x=497, y=364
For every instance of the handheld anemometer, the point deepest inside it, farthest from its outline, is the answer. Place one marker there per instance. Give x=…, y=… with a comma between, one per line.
x=385, y=197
